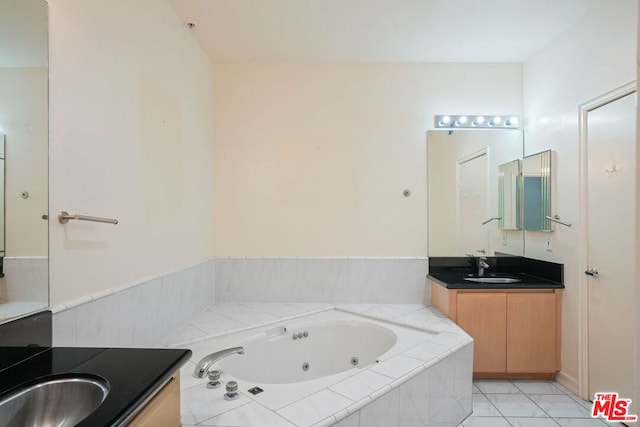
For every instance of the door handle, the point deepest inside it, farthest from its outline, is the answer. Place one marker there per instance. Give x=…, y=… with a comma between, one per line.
x=592, y=272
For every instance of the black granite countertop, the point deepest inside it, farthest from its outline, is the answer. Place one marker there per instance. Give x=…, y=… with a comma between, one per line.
x=455, y=280
x=450, y=272
x=133, y=375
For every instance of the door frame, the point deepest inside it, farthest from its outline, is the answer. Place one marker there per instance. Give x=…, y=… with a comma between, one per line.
x=583, y=290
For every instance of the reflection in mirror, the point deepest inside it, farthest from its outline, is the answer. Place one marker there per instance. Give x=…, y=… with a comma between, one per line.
x=24, y=126
x=2, y=209
x=509, y=198
x=536, y=170
x=462, y=173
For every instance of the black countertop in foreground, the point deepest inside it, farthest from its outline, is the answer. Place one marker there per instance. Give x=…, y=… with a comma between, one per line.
x=133, y=375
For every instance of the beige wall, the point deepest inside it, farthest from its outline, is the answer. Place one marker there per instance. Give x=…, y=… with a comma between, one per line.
x=594, y=56
x=312, y=159
x=23, y=121
x=131, y=139
x=636, y=397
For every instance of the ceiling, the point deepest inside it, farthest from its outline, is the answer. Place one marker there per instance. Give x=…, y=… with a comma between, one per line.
x=377, y=30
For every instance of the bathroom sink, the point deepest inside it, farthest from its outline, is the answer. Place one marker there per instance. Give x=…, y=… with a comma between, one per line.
x=58, y=401
x=492, y=279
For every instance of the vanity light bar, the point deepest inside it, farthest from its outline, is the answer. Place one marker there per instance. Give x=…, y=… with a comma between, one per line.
x=475, y=122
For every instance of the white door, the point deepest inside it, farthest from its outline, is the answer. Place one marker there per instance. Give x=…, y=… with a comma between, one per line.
x=610, y=145
x=472, y=204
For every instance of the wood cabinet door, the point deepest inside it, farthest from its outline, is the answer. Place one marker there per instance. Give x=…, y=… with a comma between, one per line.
x=531, y=332
x=483, y=316
x=163, y=410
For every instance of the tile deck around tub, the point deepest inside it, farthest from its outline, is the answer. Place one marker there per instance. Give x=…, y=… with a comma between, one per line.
x=336, y=400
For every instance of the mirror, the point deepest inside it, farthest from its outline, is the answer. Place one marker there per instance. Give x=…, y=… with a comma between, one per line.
x=510, y=195
x=464, y=192
x=536, y=171
x=24, y=179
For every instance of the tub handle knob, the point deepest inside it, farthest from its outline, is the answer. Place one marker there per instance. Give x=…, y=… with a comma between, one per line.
x=232, y=391
x=214, y=376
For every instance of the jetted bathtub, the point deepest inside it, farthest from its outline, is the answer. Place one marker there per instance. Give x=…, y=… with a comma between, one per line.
x=344, y=360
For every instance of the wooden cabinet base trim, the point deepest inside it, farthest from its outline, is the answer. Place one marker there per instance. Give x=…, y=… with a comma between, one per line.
x=513, y=376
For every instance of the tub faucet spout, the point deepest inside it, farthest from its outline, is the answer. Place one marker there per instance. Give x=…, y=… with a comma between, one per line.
x=203, y=365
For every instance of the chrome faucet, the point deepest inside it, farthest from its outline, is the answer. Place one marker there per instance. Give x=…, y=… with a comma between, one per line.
x=203, y=365
x=482, y=264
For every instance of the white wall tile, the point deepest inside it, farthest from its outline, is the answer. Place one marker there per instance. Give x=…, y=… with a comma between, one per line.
x=441, y=399
x=385, y=280
x=397, y=366
x=137, y=316
x=64, y=329
x=314, y=408
x=382, y=412
x=338, y=280
x=246, y=279
x=414, y=412
x=200, y=403
x=251, y=414
x=361, y=385
x=350, y=421
x=26, y=279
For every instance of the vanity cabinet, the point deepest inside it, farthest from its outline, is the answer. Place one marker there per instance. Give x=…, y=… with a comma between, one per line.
x=516, y=332
x=163, y=409
x=484, y=317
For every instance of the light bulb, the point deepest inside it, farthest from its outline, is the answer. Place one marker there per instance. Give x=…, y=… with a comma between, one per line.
x=478, y=121
x=511, y=122
x=444, y=121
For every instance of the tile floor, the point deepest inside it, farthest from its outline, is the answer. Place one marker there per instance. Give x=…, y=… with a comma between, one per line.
x=521, y=403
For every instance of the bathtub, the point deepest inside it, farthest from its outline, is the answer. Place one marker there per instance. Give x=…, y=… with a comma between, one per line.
x=322, y=368
x=304, y=351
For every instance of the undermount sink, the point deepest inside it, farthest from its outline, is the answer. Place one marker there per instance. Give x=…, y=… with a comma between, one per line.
x=489, y=279
x=58, y=401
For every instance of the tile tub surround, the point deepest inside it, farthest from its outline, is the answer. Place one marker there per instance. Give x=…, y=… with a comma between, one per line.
x=139, y=314
x=25, y=279
x=435, y=369
x=334, y=280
